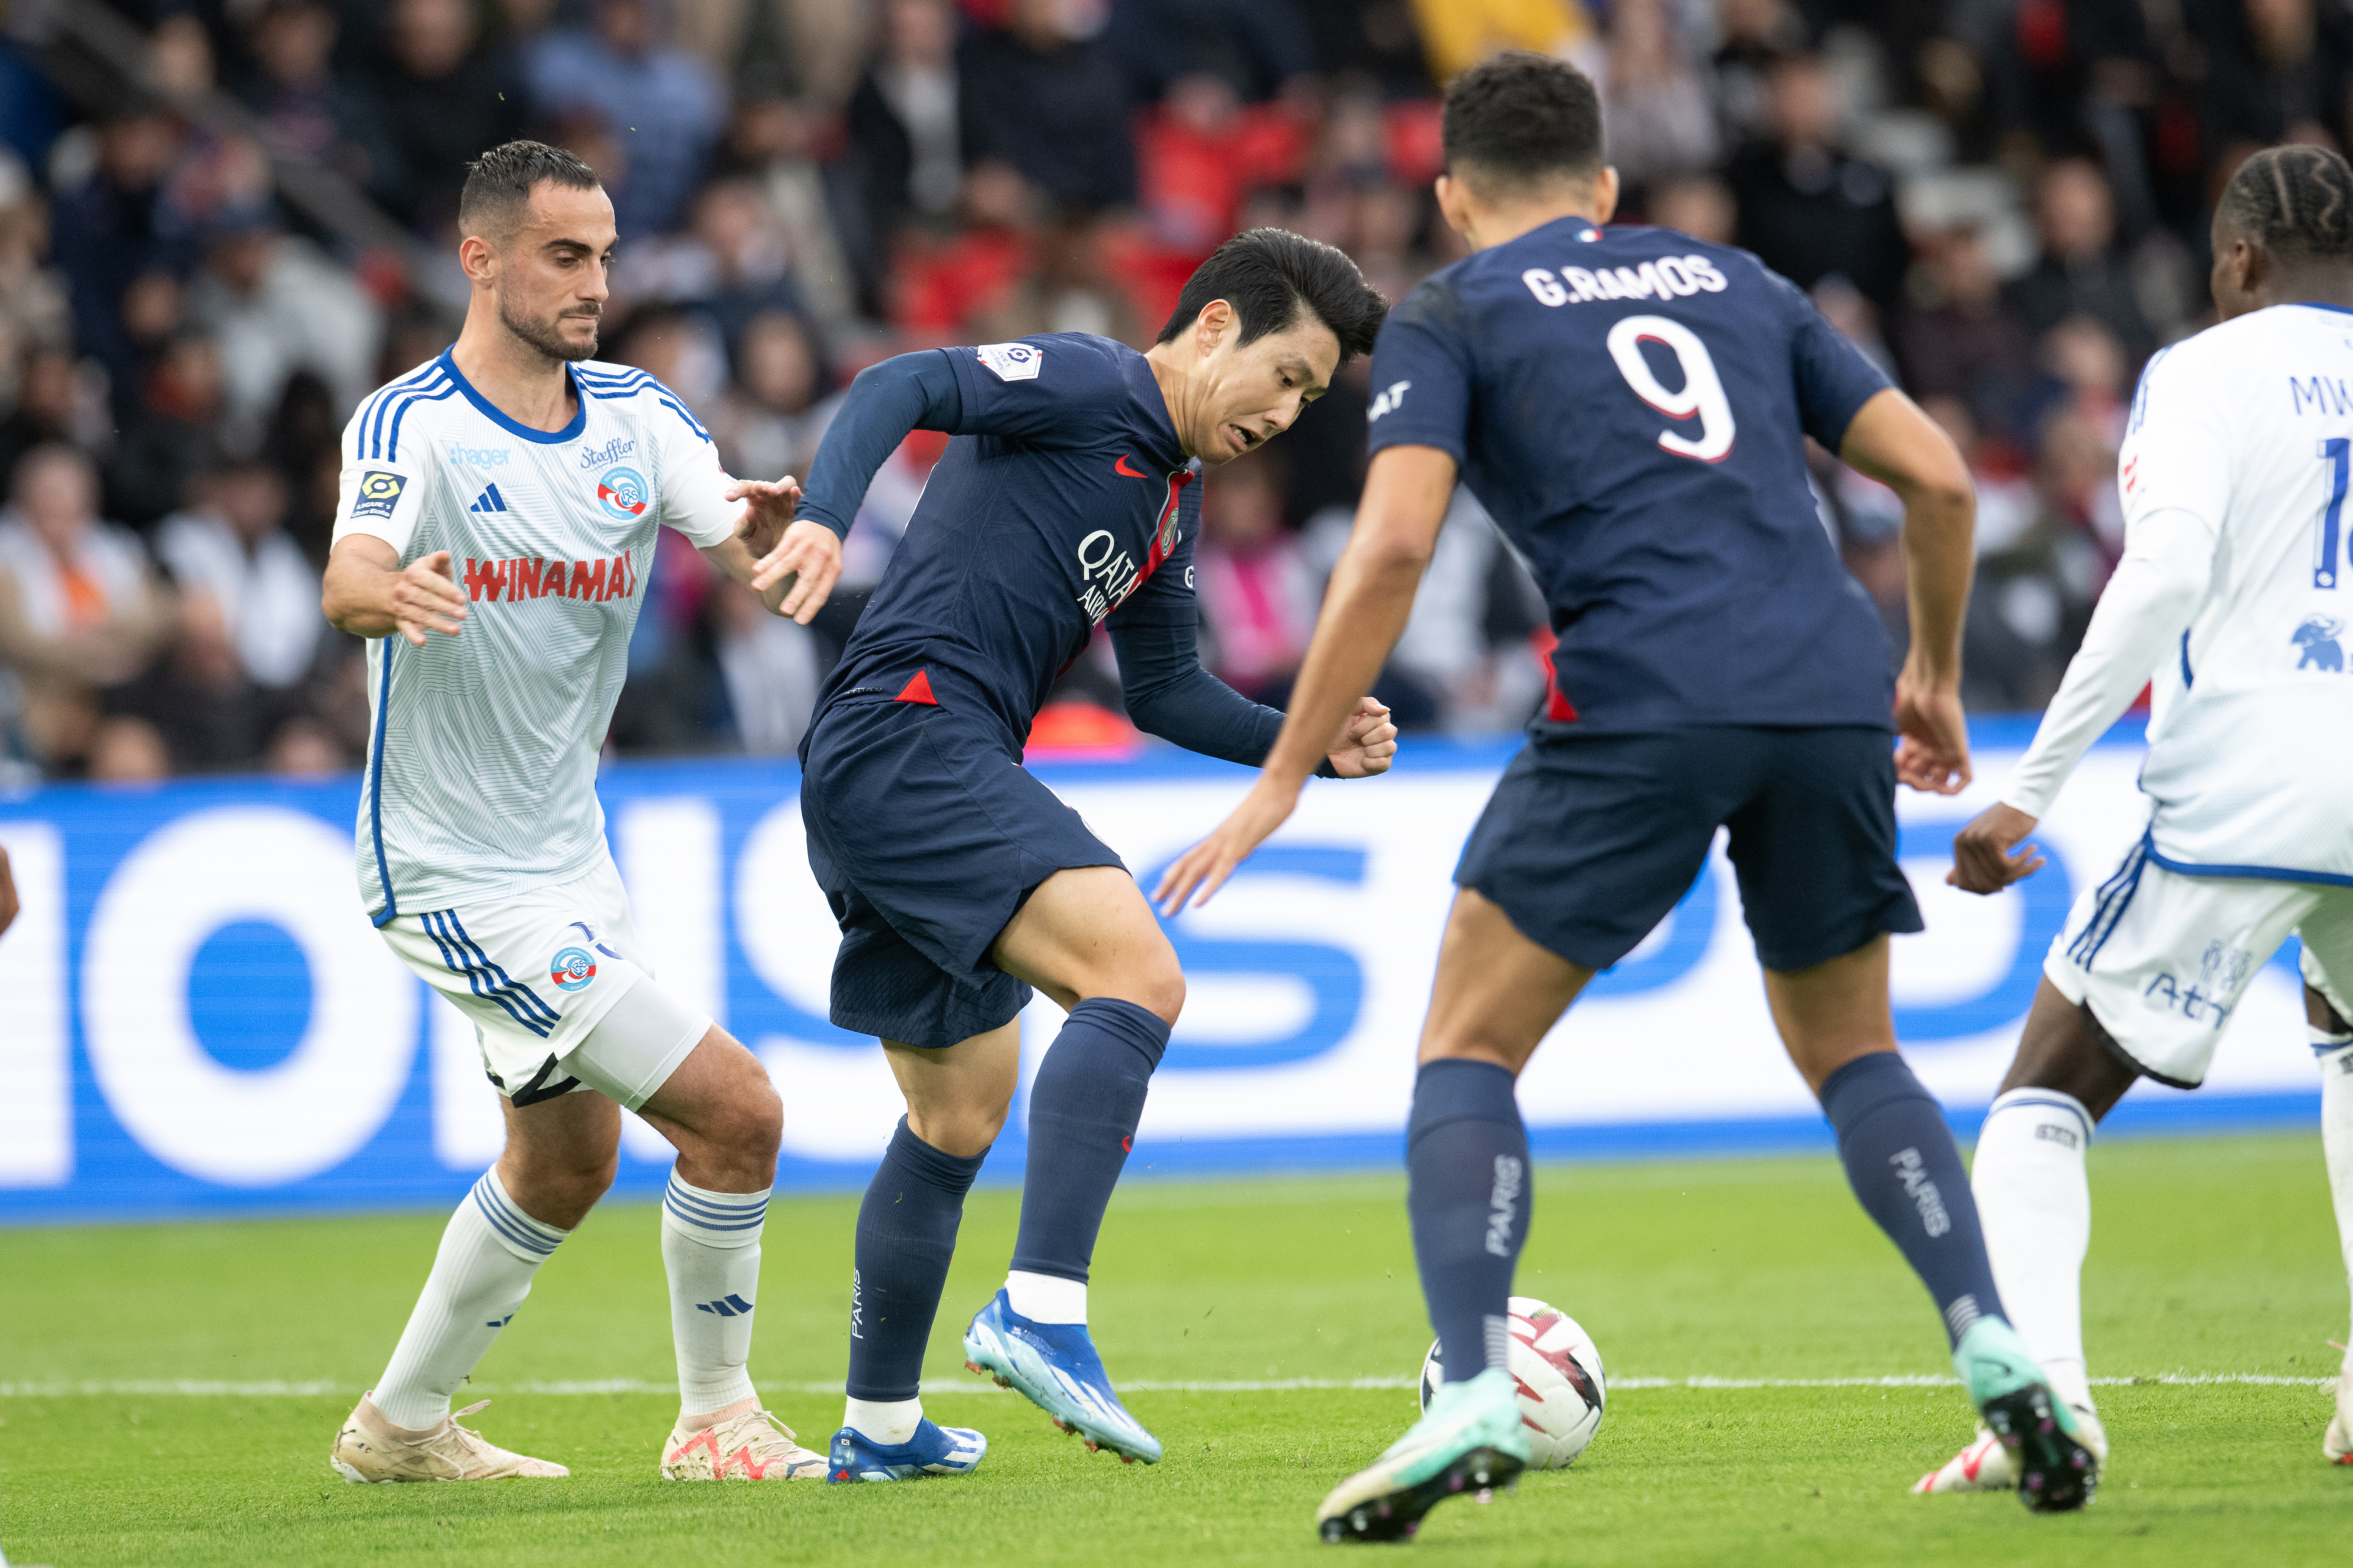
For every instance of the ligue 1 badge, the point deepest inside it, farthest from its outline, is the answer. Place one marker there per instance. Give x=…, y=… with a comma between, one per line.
x=572, y=969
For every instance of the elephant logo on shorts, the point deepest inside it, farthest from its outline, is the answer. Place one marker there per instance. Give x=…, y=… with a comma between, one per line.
x=572, y=969
x=2317, y=638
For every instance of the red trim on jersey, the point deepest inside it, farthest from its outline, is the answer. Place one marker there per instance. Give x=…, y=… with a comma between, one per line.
x=918, y=691
x=1164, y=532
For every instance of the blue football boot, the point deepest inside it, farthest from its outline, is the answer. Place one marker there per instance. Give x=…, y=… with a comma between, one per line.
x=1054, y=1365
x=934, y=1450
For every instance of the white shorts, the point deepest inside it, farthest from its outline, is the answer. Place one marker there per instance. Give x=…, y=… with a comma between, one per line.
x=2163, y=957
x=538, y=973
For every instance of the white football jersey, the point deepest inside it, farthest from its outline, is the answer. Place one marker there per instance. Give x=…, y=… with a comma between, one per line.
x=481, y=766
x=2248, y=428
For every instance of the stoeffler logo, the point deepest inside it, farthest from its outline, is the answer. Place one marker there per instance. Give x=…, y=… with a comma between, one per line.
x=612, y=452
x=478, y=457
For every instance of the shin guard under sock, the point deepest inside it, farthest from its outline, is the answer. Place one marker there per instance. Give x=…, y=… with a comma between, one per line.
x=2035, y=1204
x=480, y=1275
x=1906, y=1170
x=1083, y=1109
x=1469, y=1197
x=906, y=1234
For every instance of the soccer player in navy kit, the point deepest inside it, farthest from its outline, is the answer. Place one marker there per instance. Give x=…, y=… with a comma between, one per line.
x=1629, y=405
x=1070, y=498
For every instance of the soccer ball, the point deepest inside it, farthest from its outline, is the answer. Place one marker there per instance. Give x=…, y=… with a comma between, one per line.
x=1559, y=1373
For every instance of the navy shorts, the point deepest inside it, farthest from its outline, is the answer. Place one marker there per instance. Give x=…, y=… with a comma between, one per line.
x=1590, y=839
x=926, y=834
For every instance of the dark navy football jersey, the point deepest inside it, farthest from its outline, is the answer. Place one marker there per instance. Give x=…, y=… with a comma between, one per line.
x=1629, y=405
x=1064, y=501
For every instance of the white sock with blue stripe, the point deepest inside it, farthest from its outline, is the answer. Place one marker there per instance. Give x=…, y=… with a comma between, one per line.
x=2034, y=1202
x=489, y=1253
x=710, y=1244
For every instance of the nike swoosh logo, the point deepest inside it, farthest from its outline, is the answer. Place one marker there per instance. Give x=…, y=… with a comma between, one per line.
x=1132, y=473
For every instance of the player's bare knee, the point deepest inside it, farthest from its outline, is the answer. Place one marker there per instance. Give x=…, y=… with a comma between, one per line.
x=1159, y=988
x=756, y=1130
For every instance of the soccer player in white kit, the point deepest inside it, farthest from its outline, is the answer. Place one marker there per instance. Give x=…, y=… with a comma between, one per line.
x=2230, y=600
x=510, y=491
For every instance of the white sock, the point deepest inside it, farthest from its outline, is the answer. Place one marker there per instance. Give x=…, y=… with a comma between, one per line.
x=889, y=1422
x=710, y=1246
x=489, y=1253
x=1047, y=1297
x=2035, y=1204
x=2335, y=1057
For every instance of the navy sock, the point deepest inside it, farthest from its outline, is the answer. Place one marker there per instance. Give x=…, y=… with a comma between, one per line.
x=1466, y=1154
x=1083, y=1108
x=906, y=1233
x=1904, y=1167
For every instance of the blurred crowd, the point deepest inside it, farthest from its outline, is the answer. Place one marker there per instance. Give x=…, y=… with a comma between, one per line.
x=2002, y=202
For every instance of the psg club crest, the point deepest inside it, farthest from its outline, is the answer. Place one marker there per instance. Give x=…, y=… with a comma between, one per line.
x=622, y=493
x=572, y=969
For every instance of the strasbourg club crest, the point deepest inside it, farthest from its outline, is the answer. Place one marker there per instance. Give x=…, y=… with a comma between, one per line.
x=622, y=493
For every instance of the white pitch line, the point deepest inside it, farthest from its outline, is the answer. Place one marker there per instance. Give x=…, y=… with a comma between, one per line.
x=144, y=1387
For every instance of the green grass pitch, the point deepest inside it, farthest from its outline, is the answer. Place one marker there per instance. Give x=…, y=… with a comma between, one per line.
x=2212, y=1255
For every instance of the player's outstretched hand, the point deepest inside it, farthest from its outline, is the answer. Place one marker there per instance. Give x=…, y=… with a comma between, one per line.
x=1208, y=864
x=796, y=577
x=7, y=892
x=767, y=512
x=1366, y=743
x=426, y=598
x=1932, y=751
x=1983, y=861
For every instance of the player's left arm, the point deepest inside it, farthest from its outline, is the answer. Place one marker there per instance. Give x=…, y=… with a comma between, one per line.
x=1892, y=441
x=1170, y=695
x=1407, y=490
x=768, y=528
x=2175, y=478
x=739, y=525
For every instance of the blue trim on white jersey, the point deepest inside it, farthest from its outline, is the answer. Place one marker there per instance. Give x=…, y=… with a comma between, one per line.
x=2187, y=680
x=375, y=788
x=628, y=383
x=369, y=441
x=490, y=410
x=2254, y=873
x=474, y=975
x=2115, y=897
x=523, y=992
x=392, y=441
x=2316, y=305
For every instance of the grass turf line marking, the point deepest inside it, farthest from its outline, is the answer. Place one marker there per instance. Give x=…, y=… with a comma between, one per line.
x=142, y=1387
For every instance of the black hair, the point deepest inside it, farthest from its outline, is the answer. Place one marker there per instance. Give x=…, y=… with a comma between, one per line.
x=2293, y=201
x=1272, y=278
x=1522, y=117
x=499, y=184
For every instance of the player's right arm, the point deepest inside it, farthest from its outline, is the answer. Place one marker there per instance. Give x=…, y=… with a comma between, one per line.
x=367, y=591
x=1050, y=392
x=2176, y=476
x=369, y=594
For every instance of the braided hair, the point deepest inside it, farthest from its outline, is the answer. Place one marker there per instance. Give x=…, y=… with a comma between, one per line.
x=2293, y=201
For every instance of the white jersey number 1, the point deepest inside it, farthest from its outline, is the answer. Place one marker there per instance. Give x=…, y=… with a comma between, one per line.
x=1702, y=389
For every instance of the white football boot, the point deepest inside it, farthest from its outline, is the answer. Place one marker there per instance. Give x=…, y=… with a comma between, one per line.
x=1472, y=1439
x=753, y=1447
x=2338, y=1444
x=369, y=1449
x=1984, y=1466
